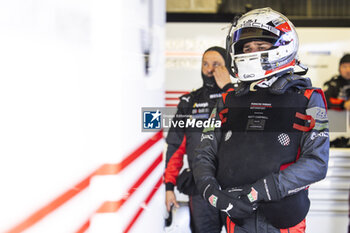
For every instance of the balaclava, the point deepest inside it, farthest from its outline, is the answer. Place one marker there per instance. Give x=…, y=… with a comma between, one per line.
x=344, y=59
x=209, y=82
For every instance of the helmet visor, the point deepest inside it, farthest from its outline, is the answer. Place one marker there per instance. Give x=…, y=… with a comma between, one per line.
x=252, y=32
x=247, y=34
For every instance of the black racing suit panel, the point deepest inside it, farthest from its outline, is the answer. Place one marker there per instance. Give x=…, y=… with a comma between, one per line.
x=309, y=168
x=260, y=129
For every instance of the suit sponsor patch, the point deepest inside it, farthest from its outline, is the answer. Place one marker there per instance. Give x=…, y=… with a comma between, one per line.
x=320, y=134
x=253, y=195
x=187, y=99
x=317, y=113
x=207, y=136
x=213, y=200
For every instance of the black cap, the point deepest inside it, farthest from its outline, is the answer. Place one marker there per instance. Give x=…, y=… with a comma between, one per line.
x=223, y=54
x=344, y=59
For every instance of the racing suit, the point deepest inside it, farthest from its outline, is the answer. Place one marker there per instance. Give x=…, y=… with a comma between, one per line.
x=337, y=91
x=197, y=104
x=280, y=132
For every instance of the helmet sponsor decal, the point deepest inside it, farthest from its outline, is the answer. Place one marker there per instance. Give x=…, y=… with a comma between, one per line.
x=285, y=27
x=278, y=21
x=248, y=76
x=250, y=23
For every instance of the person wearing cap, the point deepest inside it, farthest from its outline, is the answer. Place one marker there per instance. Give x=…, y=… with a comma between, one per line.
x=337, y=89
x=197, y=104
x=274, y=140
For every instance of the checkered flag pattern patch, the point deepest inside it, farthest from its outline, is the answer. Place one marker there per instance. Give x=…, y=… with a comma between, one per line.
x=284, y=139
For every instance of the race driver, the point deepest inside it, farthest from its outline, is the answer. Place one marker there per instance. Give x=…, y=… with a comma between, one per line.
x=273, y=142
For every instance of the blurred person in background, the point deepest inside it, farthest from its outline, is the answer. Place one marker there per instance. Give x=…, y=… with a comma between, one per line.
x=273, y=142
x=337, y=89
x=337, y=92
x=197, y=104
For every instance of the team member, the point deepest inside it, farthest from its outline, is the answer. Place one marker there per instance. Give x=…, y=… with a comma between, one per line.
x=182, y=141
x=337, y=90
x=273, y=142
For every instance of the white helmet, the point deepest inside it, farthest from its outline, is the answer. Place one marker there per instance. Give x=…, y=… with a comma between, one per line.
x=267, y=25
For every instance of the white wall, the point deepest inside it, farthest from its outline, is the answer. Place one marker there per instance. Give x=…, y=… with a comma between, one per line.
x=72, y=84
x=44, y=116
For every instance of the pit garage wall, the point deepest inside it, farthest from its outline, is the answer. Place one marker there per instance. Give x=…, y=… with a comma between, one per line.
x=72, y=84
x=320, y=49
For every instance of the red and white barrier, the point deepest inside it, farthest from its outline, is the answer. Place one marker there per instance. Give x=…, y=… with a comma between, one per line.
x=172, y=97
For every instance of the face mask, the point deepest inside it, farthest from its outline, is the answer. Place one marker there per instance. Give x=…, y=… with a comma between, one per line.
x=209, y=82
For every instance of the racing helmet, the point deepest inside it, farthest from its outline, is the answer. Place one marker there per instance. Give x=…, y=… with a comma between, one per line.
x=268, y=25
